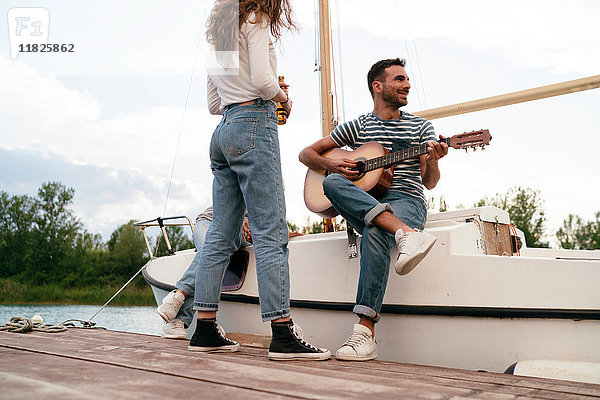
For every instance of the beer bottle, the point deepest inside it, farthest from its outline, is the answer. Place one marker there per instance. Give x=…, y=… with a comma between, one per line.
x=281, y=113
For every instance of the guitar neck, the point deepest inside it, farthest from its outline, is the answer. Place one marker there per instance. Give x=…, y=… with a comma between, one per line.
x=393, y=158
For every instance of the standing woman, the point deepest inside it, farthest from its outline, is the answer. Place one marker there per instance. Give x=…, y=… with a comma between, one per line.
x=246, y=165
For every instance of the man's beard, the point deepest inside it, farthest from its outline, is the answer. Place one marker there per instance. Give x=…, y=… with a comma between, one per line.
x=391, y=98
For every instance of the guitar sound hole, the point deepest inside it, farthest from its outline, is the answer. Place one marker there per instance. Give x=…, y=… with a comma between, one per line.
x=360, y=167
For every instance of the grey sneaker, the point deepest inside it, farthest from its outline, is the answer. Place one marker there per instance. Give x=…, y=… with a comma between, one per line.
x=360, y=346
x=174, y=330
x=170, y=305
x=413, y=247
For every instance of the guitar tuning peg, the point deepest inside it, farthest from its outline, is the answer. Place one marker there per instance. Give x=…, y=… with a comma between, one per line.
x=474, y=148
x=466, y=149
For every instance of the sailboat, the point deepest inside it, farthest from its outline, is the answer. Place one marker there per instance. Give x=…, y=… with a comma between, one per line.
x=480, y=300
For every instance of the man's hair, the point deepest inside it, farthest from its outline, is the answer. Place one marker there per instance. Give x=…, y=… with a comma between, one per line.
x=377, y=71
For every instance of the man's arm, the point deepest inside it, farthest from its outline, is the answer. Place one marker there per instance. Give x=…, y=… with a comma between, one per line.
x=430, y=171
x=311, y=157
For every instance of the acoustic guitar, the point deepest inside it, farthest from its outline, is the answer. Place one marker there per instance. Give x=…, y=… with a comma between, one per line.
x=375, y=166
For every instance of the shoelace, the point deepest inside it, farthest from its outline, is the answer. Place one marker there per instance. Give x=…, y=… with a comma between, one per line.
x=356, y=339
x=177, y=323
x=297, y=332
x=402, y=242
x=221, y=333
x=173, y=300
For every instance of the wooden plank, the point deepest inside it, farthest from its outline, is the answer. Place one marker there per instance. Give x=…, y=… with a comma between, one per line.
x=50, y=377
x=497, y=239
x=155, y=367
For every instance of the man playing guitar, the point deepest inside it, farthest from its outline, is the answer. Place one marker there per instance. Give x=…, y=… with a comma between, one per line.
x=397, y=218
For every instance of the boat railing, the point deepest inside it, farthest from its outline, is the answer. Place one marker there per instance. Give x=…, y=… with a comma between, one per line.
x=162, y=223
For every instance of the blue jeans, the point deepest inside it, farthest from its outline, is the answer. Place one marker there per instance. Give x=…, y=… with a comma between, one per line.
x=359, y=209
x=246, y=166
x=188, y=279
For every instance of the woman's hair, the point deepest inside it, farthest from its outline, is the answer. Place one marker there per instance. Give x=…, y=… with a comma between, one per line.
x=222, y=31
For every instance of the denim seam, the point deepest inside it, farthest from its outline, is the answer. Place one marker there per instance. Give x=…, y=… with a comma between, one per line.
x=281, y=269
x=252, y=144
x=382, y=284
x=206, y=306
x=237, y=110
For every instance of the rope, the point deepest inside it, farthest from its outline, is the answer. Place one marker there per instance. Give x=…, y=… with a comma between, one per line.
x=480, y=233
x=23, y=325
x=84, y=324
x=512, y=228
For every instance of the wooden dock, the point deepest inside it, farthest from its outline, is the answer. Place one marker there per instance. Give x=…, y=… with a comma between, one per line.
x=101, y=364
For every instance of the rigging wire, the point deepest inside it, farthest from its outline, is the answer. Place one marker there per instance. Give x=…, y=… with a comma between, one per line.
x=334, y=116
x=410, y=67
x=187, y=97
x=316, y=45
x=414, y=42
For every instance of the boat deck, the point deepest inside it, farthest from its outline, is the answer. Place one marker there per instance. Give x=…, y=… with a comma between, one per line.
x=101, y=364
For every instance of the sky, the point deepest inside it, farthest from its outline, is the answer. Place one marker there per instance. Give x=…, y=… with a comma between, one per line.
x=123, y=119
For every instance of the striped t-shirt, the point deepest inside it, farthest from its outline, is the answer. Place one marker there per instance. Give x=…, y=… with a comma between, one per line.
x=397, y=134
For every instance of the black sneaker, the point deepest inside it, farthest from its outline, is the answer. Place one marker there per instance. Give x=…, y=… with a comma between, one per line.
x=210, y=337
x=287, y=344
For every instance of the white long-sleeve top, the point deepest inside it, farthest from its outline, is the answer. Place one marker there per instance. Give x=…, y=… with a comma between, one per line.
x=257, y=70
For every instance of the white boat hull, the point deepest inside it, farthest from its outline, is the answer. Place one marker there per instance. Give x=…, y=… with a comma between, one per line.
x=459, y=308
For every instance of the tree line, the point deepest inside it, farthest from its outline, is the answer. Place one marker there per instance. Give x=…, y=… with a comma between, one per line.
x=525, y=208
x=43, y=242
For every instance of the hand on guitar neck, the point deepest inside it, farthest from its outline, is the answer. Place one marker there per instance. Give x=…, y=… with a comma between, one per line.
x=430, y=172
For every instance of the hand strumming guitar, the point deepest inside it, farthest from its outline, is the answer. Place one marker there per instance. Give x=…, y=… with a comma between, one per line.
x=343, y=166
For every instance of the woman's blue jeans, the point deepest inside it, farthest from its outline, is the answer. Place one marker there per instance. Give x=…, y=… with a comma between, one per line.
x=359, y=209
x=246, y=166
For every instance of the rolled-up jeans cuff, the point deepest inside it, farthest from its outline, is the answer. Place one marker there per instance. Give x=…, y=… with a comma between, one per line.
x=205, y=307
x=368, y=312
x=271, y=316
x=375, y=211
x=187, y=289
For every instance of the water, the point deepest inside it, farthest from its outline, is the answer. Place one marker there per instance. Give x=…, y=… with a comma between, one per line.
x=138, y=319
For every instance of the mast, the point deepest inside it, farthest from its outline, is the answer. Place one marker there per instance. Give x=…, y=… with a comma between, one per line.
x=522, y=96
x=327, y=124
x=327, y=120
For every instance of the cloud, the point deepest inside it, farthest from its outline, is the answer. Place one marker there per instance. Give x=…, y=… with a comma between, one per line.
x=104, y=197
x=531, y=34
x=26, y=93
x=120, y=167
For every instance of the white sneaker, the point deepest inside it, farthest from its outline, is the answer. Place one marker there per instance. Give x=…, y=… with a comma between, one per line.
x=170, y=306
x=413, y=247
x=174, y=330
x=360, y=346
